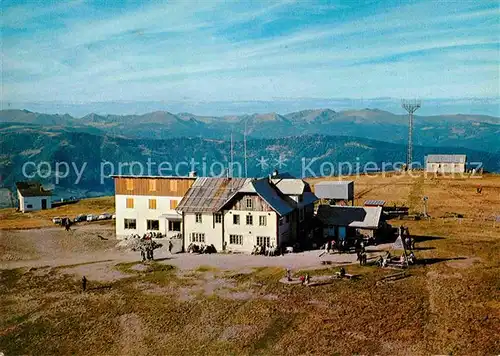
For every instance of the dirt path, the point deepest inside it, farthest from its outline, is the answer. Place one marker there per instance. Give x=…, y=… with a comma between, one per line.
x=83, y=253
x=416, y=194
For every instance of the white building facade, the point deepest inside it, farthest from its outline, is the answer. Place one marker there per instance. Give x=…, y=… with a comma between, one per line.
x=148, y=204
x=32, y=197
x=203, y=228
x=445, y=164
x=236, y=214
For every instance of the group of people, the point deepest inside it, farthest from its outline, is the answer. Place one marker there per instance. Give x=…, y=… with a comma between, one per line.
x=147, y=247
x=333, y=245
x=194, y=248
x=306, y=279
x=148, y=235
x=384, y=261
x=361, y=253
x=408, y=241
x=266, y=250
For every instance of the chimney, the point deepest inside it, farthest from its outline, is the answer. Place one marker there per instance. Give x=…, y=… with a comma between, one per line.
x=192, y=174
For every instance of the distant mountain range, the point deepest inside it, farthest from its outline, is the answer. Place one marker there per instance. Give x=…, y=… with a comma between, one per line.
x=469, y=131
x=49, y=138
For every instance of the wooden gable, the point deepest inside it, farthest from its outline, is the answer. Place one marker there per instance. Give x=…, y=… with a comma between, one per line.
x=242, y=202
x=175, y=187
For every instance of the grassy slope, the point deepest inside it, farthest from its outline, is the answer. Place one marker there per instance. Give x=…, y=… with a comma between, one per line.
x=449, y=306
x=11, y=219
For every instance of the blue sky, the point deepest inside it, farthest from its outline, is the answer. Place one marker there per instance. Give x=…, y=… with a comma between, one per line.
x=100, y=51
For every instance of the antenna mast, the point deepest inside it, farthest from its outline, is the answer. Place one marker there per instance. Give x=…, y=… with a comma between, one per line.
x=232, y=157
x=410, y=106
x=245, y=147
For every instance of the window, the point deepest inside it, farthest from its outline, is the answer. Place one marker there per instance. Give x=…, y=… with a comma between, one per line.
x=152, y=185
x=174, y=226
x=262, y=220
x=130, y=203
x=152, y=203
x=153, y=225
x=236, y=239
x=218, y=218
x=236, y=219
x=197, y=237
x=249, y=203
x=129, y=224
x=198, y=218
x=263, y=240
x=301, y=214
x=287, y=219
x=249, y=220
x=173, y=204
x=129, y=184
x=29, y=206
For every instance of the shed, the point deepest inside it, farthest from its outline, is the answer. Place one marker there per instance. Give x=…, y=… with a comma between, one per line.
x=32, y=196
x=445, y=163
x=342, y=221
x=335, y=190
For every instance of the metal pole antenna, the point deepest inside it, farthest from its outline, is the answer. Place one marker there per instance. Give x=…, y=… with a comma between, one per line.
x=410, y=106
x=232, y=156
x=245, y=147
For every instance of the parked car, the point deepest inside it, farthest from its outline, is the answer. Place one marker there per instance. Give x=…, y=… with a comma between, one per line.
x=79, y=218
x=113, y=216
x=104, y=216
x=57, y=220
x=92, y=217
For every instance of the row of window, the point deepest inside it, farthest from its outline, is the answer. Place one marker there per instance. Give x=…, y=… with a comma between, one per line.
x=217, y=218
x=151, y=203
x=153, y=225
x=249, y=220
x=236, y=219
x=129, y=184
x=233, y=239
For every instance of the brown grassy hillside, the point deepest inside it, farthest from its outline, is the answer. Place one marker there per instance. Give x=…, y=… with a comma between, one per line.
x=11, y=219
x=449, y=304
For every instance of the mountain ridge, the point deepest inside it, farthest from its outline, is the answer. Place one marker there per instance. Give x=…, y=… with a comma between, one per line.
x=440, y=130
x=29, y=143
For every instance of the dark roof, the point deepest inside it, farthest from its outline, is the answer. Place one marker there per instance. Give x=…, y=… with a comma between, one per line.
x=446, y=158
x=366, y=217
x=208, y=195
x=283, y=175
x=32, y=189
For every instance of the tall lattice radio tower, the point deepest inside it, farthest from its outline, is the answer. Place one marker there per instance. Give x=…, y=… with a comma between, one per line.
x=410, y=106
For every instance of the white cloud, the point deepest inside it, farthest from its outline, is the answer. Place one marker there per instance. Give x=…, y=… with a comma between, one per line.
x=171, y=49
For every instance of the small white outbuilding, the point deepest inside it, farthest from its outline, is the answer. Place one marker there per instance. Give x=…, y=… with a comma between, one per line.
x=32, y=196
x=445, y=163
